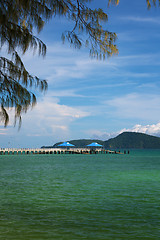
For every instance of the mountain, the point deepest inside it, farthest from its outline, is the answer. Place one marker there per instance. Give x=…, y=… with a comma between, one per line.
x=125, y=140
x=81, y=142
x=133, y=140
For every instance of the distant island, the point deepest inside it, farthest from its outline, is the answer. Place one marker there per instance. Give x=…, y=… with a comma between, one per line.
x=125, y=140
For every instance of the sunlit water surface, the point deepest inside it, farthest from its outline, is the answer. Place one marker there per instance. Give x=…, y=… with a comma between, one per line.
x=72, y=197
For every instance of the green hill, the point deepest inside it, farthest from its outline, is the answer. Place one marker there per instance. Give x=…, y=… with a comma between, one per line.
x=81, y=142
x=133, y=140
x=125, y=140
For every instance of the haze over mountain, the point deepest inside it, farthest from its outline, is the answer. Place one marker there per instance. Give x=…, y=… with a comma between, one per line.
x=124, y=140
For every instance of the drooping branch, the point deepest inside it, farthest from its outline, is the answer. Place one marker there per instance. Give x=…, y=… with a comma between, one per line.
x=18, y=18
x=100, y=41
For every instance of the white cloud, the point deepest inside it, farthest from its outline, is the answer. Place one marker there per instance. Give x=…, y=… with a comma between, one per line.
x=153, y=129
x=64, y=93
x=49, y=118
x=101, y=135
x=155, y=20
x=63, y=65
x=60, y=64
x=136, y=106
x=3, y=131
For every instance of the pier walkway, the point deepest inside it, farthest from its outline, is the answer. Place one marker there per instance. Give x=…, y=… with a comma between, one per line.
x=12, y=151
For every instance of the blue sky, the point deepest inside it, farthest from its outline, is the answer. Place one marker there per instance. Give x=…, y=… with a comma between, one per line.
x=87, y=98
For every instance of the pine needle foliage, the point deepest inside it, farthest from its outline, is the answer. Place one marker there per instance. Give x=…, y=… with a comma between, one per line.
x=152, y=2
x=149, y=2
x=18, y=18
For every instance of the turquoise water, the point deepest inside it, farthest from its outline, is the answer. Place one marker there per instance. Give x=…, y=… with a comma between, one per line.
x=72, y=197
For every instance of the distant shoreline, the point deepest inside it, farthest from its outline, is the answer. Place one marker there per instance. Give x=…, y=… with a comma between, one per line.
x=125, y=140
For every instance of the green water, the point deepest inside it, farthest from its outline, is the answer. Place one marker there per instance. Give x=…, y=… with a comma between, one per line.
x=72, y=197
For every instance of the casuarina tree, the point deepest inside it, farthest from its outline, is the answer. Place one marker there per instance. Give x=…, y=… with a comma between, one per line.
x=18, y=21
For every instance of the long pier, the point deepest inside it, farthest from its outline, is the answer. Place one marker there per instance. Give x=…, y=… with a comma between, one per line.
x=16, y=151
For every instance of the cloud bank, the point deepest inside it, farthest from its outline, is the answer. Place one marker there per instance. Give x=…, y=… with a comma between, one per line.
x=137, y=106
x=153, y=129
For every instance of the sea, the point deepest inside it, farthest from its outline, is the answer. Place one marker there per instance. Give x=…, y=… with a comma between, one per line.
x=74, y=197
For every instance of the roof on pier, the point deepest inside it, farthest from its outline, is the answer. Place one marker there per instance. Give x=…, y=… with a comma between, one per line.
x=66, y=144
x=94, y=144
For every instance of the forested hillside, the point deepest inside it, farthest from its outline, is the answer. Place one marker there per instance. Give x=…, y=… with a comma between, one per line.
x=124, y=140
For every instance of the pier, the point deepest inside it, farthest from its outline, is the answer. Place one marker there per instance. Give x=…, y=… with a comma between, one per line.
x=16, y=151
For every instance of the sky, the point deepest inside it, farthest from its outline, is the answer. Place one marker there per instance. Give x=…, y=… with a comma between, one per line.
x=89, y=98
